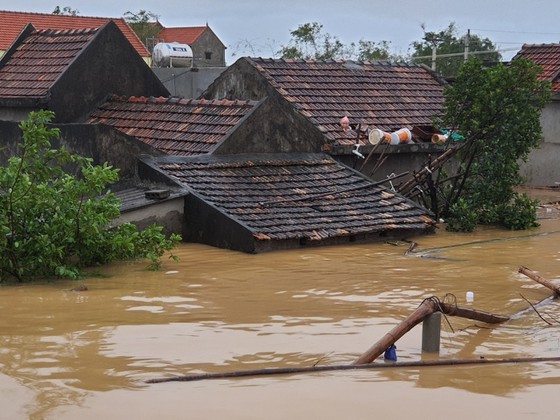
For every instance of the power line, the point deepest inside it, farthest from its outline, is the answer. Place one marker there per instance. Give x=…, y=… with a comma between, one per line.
x=518, y=32
x=470, y=53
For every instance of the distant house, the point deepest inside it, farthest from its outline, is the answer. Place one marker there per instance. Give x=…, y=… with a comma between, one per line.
x=543, y=166
x=260, y=202
x=12, y=23
x=310, y=97
x=70, y=71
x=208, y=50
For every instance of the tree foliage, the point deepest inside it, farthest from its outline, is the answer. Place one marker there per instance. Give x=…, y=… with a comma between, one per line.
x=144, y=24
x=54, y=222
x=448, y=41
x=497, y=109
x=66, y=10
x=309, y=41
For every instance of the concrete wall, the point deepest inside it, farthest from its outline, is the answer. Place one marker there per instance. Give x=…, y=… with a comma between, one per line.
x=187, y=83
x=169, y=215
x=99, y=142
x=208, y=42
x=543, y=165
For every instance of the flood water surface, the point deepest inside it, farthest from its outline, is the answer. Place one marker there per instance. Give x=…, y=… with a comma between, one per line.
x=88, y=354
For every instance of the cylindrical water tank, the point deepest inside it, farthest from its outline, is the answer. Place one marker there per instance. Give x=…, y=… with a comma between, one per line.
x=172, y=54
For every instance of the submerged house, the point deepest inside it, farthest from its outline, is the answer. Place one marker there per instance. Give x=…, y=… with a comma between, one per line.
x=542, y=167
x=202, y=163
x=263, y=202
x=254, y=202
x=310, y=97
x=70, y=72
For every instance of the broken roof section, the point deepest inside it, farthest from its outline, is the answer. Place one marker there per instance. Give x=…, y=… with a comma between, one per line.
x=548, y=57
x=257, y=203
x=180, y=127
x=378, y=94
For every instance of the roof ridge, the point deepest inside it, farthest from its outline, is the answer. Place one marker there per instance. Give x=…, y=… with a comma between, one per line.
x=55, y=16
x=81, y=31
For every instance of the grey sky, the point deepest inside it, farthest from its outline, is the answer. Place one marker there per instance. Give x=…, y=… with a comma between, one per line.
x=266, y=25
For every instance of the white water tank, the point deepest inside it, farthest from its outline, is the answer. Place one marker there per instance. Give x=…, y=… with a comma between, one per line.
x=172, y=54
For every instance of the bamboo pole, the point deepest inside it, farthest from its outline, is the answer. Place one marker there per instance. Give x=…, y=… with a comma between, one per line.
x=313, y=369
x=426, y=308
x=469, y=313
x=539, y=279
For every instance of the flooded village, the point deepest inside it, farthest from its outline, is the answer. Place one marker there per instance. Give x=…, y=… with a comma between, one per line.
x=298, y=187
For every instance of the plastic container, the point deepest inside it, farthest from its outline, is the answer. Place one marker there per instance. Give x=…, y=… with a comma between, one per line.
x=439, y=138
x=376, y=135
x=401, y=136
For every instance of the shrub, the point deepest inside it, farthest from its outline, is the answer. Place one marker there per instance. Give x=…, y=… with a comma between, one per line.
x=54, y=222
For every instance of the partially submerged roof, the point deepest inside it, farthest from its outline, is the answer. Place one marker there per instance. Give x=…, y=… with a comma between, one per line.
x=383, y=95
x=288, y=200
x=180, y=127
x=547, y=56
x=12, y=23
x=39, y=60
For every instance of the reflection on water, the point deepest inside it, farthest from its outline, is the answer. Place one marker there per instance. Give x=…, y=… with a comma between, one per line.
x=70, y=354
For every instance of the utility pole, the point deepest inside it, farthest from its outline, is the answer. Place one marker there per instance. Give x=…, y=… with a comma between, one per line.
x=467, y=39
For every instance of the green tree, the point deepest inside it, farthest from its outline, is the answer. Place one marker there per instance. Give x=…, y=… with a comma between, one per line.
x=497, y=109
x=54, y=223
x=66, y=10
x=447, y=42
x=310, y=42
x=144, y=24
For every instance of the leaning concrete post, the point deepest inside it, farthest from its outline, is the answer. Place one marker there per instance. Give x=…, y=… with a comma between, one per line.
x=431, y=333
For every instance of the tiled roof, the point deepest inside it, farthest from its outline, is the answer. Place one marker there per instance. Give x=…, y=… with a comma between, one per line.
x=375, y=94
x=175, y=126
x=183, y=35
x=306, y=197
x=12, y=23
x=548, y=57
x=39, y=60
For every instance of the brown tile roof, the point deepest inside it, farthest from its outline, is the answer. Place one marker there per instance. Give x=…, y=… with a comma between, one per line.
x=548, y=57
x=375, y=94
x=175, y=126
x=183, y=35
x=12, y=23
x=307, y=196
x=39, y=60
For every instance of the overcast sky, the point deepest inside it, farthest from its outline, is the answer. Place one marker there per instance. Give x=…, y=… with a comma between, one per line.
x=265, y=25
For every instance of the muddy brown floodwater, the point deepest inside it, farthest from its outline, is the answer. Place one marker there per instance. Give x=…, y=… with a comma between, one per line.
x=87, y=355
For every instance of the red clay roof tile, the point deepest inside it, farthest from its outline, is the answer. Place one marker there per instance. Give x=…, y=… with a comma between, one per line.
x=12, y=23
x=181, y=127
x=182, y=35
x=548, y=57
x=39, y=60
x=293, y=197
x=374, y=94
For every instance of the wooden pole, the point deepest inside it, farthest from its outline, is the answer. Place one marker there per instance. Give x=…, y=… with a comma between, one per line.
x=482, y=316
x=313, y=369
x=426, y=308
x=539, y=279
